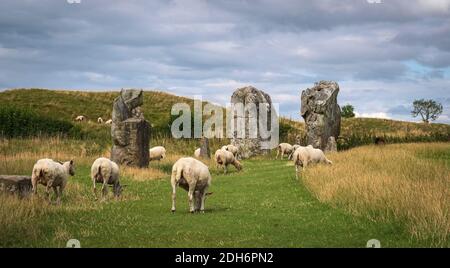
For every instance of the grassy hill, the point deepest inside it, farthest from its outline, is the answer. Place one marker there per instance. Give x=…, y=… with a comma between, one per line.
x=66, y=105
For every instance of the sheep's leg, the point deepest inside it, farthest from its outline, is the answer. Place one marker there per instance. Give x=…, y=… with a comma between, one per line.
x=296, y=171
x=34, y=184
x=191, y=197
x=58, y=194
x=305, y=163
x=202, y=206
x=278, y=152
x=47, y=192
x=225, y=169
x=104, y=190
x=95, y=189
x=174, y=193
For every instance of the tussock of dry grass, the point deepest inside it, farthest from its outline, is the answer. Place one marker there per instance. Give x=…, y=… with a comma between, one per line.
x=142, y=174
x=392, y=182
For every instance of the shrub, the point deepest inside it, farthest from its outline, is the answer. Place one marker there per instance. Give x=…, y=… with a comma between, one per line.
x=15, y=122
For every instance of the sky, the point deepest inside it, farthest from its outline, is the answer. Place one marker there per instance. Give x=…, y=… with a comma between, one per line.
x=384, y=54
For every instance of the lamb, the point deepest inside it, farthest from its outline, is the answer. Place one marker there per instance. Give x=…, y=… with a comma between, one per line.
x=157, y=153
x=305, y=155
x=52, y=174
x=197, y=153
x=284, y=148
x=80, y=118
x=106, y=172
x=100, y=120
x=225, y=158
x=294, y=147
x=109, y=122
x=193, y=176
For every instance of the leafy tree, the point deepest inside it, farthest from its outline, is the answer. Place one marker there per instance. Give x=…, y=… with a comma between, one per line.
x=427, y=109
x=347, y=111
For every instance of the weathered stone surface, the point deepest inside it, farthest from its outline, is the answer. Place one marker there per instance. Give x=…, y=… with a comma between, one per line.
x=321, y=112
x=19, y=185
x=331, y=145
x=129, y=130
x=204, y=148
x=251, y=143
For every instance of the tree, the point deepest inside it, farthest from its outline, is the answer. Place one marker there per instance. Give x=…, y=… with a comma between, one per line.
x=427, y=109
x=347, y=111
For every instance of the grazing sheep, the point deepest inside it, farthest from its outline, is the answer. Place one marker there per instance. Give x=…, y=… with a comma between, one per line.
x=80, y=118
x=52, y=174
x=305, y=155
x=197, y=153
x=157, y=153
x=100, y=120
x=109, y=122
x=224, y=158
x=294, y=147
x=193, y=176
x=106, y=172
x=284, y=148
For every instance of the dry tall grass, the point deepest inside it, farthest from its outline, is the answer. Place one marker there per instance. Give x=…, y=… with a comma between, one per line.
x=408, y=183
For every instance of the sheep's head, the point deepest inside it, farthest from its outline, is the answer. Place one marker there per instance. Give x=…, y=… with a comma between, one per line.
x=70, y=166
x=238, y=165
x=118, y=190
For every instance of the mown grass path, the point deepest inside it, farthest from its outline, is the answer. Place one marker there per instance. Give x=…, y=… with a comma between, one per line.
x=262, y=206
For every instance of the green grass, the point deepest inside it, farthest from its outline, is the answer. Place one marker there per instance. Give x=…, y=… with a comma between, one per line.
x=263, y=206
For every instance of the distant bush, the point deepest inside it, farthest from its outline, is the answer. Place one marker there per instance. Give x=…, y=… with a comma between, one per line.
x=355, y=140
x=15, y=122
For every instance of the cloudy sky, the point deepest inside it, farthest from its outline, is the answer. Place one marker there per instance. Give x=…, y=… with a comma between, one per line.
x=383, y=55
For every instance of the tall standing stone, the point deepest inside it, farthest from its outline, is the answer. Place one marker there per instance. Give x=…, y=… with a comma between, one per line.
x=322, y=114
x=251, y=143
x=129, y=130
x=204, y=148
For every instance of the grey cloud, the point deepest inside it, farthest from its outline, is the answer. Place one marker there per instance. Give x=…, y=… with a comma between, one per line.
x=211, y=47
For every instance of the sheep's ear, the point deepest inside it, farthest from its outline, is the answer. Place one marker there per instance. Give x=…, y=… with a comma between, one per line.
x=71, y=161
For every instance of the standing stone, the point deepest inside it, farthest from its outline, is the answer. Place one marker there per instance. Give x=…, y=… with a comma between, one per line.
x=204, y=148
x=331, y=145
x=251, y=143
x=321, y=112
x=129, y=130
x=18, y=185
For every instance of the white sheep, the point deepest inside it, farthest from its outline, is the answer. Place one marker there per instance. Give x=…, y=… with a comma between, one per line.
x=108, y=122
x=305, y=155
x=100, y=120
x=294, y=147
x=193, y=176
x=197, y=153
x=231, y=148
x=80, y=118
x=224, y=158
x=52, y=174
x=106, y=172
x=157, y=153
x=284, y=149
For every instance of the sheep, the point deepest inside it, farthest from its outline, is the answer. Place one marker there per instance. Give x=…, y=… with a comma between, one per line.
x=197, y=153
x=108, y=122
x=106, y=172
x=225, y=158
x=193, y=176
x=294, y=147
x=80, y=118
x=284, y=148
x=157, y=153
x=305, y=155
x=51, y=174
x=100, y=120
